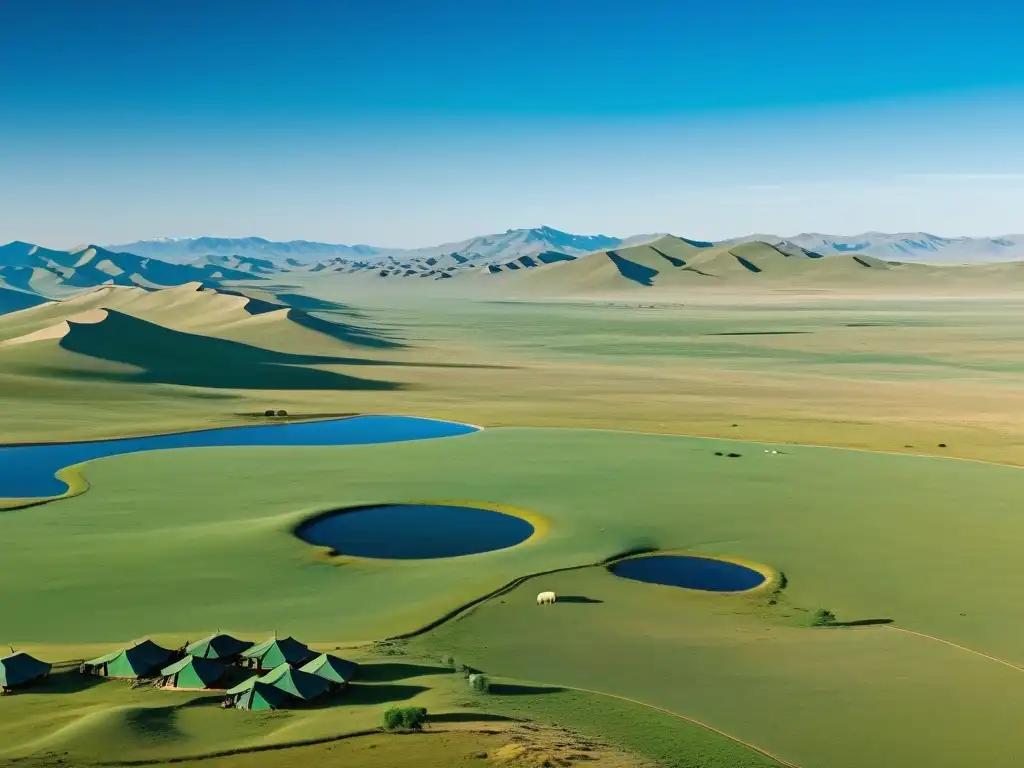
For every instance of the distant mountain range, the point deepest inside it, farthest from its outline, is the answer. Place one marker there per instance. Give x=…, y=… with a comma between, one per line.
x=515, y=244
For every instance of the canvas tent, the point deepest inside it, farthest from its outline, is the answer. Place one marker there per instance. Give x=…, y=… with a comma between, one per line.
x=274, y=652
x=301, y=685
x=193, y=673
x=332, y=669
x=144, y=659
x=21, y=669
x=256, y=696
x=218, y=646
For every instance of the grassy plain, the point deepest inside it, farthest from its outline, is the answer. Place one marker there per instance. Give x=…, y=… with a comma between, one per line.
x=927, y=542
x=174, y=544
x=893, y=375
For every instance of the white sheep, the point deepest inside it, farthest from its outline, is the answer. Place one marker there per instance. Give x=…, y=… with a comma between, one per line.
x=545, y=598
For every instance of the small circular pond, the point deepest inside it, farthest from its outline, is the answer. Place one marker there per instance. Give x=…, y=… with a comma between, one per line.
x=415, y=531
x=690, y=572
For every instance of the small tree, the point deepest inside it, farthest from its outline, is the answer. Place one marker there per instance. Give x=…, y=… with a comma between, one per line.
x=822, y=618
x=479, y=683
x=405, y=718
x=270, y=412
x=282, y=413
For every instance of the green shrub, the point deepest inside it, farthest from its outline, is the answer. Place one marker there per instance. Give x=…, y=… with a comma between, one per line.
x=479, y=683
x=448, y=661
x=405, y=718
x=822, y=618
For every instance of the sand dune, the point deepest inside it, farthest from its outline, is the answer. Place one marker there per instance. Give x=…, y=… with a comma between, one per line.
x=61, y=329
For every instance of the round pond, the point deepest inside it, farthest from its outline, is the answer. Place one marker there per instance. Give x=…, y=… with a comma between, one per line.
x=689, y=572
x=415, y=531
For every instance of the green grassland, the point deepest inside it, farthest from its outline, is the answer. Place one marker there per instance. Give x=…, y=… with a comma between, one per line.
x=929, y=543
x=174, y=544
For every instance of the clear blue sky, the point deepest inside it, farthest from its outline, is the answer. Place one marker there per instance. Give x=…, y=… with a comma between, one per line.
x=407, y=123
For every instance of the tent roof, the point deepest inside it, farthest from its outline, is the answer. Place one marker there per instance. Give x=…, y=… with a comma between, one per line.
x=300, y=684
x=147, y=651
x=203, y=667
x=272, y=695
x=331, y=668
x=20, y=668
x=290, y=649
x=243, y=686
x=218, y=646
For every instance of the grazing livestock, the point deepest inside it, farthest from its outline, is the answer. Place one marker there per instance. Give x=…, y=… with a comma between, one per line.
x=545, y=598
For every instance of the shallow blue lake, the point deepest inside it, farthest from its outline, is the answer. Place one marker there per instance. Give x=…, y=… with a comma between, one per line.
x=415, y=531
x=689, y=572
x=27, y=471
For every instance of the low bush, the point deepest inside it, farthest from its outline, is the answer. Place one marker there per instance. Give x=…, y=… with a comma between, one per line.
x=822, y=618
x=448, y=661
x=479, y=683
x=282, y=413
x=405, y=718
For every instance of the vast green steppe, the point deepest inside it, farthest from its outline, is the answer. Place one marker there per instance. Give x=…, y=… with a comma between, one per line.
x=602, y=417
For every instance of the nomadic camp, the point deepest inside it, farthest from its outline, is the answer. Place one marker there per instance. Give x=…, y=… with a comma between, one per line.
x=218, y=646
x=193, y=673
x=256, y=696
x=274, y=652
x=338, y=672
x=144, y=659
x=301, y=685
x=20, y=669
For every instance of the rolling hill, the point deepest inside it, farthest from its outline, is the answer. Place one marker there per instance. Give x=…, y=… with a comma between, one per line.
x=104, y=344
x=52, y=273
x=219, y=313
x=675, y=263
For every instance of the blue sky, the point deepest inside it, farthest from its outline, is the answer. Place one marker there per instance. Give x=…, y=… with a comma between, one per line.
x=409, y=123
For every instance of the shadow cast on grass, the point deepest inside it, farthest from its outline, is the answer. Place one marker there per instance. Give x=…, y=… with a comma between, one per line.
x=469, y=717
x=513, y=689
x=165, y=356
x=65, y=681
x=380, y=693
x=861, y=623
x=389, y=671
x=578, y=599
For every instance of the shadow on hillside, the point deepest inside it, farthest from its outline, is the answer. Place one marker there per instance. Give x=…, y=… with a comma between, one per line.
x=390, y=671
x=631, y=270
x=675, y=261
x=313, y=304
x=344, y=332
x=577, y=599
x=747, y=265
x=165, y=356
x=861, y=623
x=511, y=689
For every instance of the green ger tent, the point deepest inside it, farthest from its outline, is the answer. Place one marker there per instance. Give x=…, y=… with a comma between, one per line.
x=256, y=696
x=192, y=673
x=21, y=669
x=274, y=652
x=141, y=660
x=218, y=646
x=332, y=669
x=301, y=685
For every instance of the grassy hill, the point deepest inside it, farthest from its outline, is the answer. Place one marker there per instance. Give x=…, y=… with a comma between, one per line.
x=672, y=265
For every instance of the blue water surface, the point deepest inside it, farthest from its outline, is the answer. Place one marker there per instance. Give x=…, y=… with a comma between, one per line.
x=415, y=531
x=28, y=471
x=689, y=572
